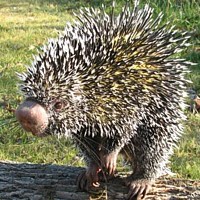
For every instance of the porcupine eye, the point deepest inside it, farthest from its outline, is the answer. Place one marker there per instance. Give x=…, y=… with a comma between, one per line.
x=58, y=105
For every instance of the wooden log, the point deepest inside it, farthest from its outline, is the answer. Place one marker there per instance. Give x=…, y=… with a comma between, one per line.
x=52, y=182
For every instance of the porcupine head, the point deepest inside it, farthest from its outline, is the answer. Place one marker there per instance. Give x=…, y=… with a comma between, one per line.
x=111, y=73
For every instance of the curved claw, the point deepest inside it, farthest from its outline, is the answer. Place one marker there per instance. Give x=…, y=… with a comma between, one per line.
x=82, y=182
x=111, y=166
x=138, y=189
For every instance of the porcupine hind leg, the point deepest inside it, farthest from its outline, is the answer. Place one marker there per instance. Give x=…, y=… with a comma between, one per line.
x=148, y=151
x=138, y=182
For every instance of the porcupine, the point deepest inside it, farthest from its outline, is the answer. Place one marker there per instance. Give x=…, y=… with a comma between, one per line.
x=112, y=84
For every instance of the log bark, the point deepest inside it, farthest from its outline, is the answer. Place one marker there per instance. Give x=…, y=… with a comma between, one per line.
x=26, y=181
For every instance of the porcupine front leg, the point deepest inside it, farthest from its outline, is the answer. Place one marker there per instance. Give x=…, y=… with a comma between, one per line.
x=90, y=149
x=89, y=177
x=98, y=171
x=148, y=153
x=101, y=164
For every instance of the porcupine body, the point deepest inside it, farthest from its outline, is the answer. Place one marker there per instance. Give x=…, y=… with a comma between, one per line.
x=110, y=83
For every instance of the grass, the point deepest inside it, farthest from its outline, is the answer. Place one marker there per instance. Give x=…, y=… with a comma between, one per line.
x=26, y=25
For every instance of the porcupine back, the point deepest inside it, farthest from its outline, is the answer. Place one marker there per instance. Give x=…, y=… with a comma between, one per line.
x=113, y=70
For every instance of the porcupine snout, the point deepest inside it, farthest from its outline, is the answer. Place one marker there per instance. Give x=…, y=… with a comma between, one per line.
x=32, y=117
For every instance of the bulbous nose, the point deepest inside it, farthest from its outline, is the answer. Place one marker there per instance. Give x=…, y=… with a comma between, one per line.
x=32, y=117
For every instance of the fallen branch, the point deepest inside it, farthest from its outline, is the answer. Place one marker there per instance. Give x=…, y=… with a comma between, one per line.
x=52, y=182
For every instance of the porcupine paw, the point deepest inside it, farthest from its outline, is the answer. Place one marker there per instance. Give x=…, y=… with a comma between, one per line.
x=108, y=168
x=109, y=163
x=138, y=188
x=88, y=178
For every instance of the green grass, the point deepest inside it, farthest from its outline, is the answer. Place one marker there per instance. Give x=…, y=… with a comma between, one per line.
x=26, y=25
x=186, y=160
